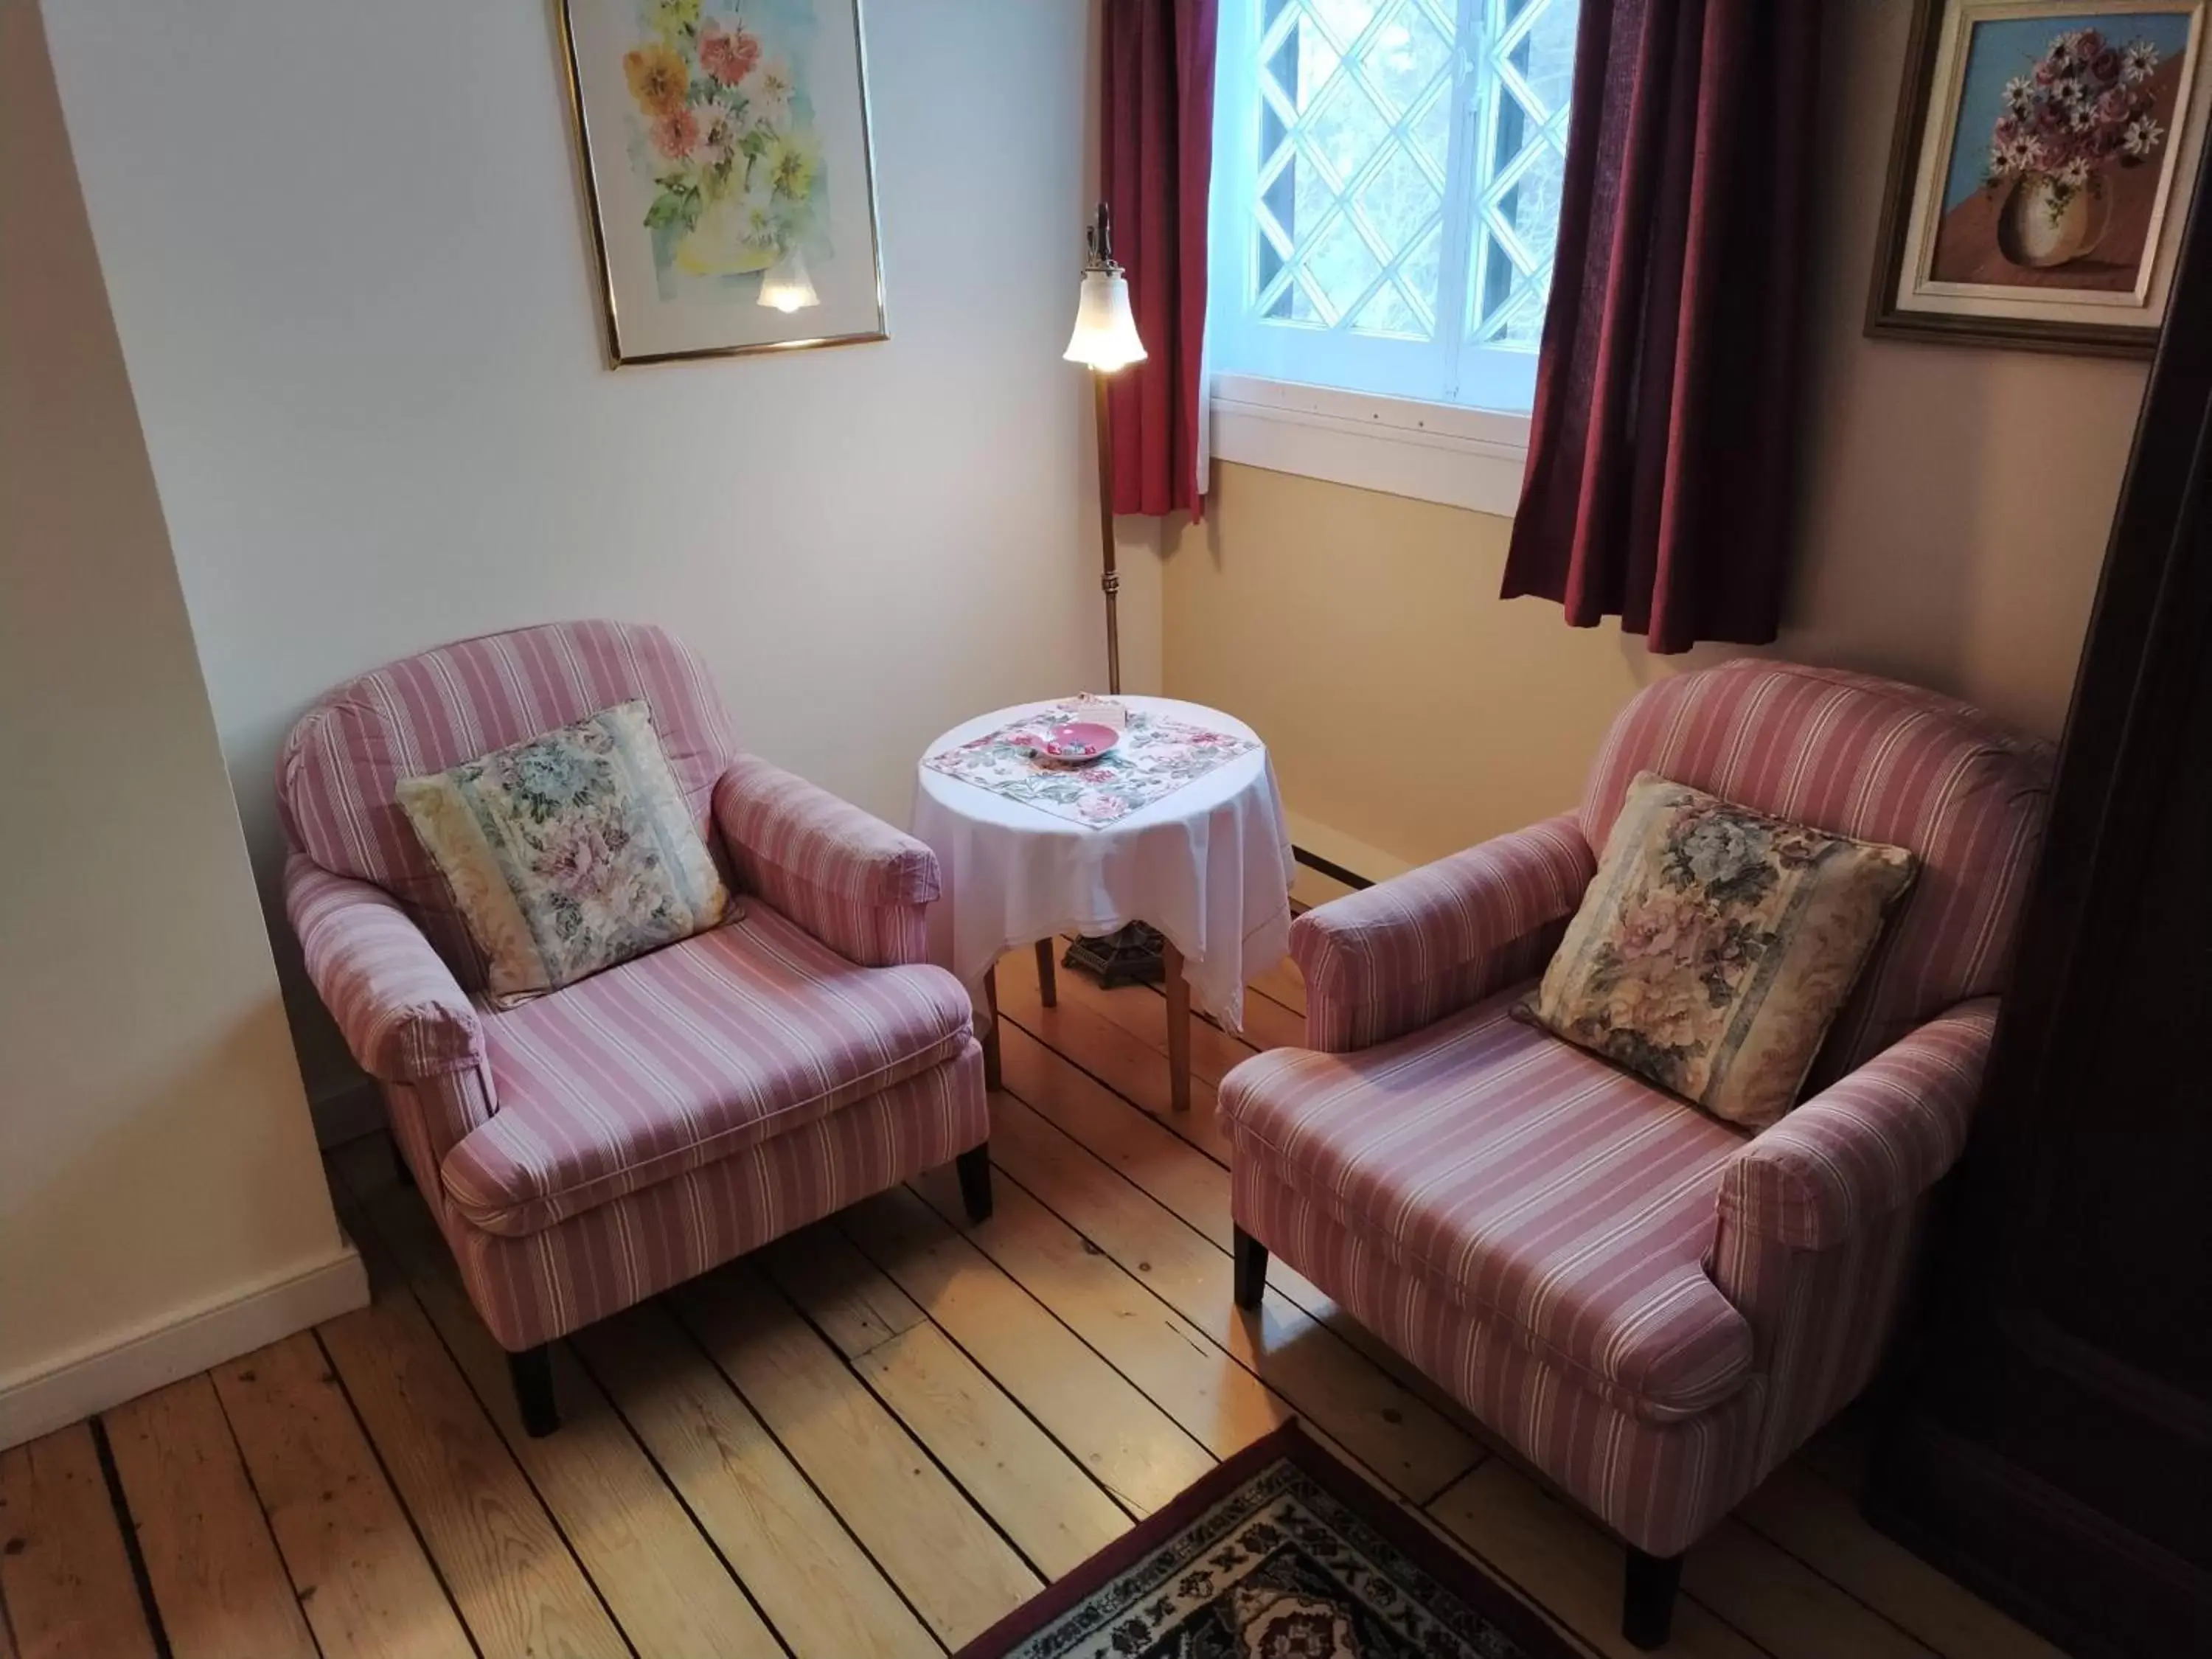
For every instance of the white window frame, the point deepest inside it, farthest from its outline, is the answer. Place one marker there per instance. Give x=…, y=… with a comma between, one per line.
x=1416, y=444
x=1442, y=452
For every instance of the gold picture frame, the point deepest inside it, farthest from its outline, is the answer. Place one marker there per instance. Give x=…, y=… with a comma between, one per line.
x=727, y=164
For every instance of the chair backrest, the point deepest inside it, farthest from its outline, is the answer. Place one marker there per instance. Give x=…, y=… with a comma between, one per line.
x=1872, y=759
x=338, y=771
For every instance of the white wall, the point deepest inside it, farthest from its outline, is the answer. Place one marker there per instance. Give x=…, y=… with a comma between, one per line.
x=351, y=274
x=161, y=1206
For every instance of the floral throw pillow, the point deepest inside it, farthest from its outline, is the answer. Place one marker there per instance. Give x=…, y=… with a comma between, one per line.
x=1716, y=946
x=569, y=853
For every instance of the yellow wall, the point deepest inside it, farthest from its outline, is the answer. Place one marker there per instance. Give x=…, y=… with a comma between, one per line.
x=1952, y=517
x=161, y=1204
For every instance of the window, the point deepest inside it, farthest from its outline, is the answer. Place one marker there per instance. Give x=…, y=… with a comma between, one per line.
x=1387, y=192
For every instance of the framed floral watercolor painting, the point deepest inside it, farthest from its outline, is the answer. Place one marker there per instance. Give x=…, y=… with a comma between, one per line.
x=728, y=173
x=2038, y=174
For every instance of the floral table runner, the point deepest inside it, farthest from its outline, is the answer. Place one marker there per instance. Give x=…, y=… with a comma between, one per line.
x=1157, y=755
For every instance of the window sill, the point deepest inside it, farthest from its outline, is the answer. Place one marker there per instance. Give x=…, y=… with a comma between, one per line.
x=1459, y=457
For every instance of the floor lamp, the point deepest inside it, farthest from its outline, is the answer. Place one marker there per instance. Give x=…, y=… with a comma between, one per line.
x=1104, y=341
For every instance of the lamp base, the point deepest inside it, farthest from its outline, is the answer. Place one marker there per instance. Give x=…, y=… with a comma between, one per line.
x=1130, y=956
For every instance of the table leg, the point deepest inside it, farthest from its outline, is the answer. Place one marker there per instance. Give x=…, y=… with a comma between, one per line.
x=1047, y=981
x=991, y=1077
x=1178, y=990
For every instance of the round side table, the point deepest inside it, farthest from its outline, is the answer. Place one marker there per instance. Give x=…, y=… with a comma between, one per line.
x=1208, y=865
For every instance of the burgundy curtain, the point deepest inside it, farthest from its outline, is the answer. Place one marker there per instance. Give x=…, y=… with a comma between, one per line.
x=1659, y=478
x=1156, y=157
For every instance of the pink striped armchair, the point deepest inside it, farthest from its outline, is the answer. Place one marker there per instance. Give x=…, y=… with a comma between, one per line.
x=1653, y=1306
x=588, y=1149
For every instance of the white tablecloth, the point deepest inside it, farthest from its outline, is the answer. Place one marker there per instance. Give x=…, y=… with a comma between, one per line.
x=1209, y=866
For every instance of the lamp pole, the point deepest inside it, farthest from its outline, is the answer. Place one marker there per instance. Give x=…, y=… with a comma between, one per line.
x=1104, y=340
x=1109, y=579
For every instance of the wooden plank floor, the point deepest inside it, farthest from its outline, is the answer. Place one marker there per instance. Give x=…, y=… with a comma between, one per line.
x=875, y=1438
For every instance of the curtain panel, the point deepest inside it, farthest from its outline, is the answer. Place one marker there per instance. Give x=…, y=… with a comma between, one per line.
x=1156, y=162
x=1660, y=472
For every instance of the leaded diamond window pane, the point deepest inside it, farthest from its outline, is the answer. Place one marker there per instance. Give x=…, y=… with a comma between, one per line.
x=1388, y=314
x=1397, y=202
x=1420, y=268
x=1339, y=265
x=1430, y=131
x=1526, y=72
x=1345, y=19
x=1410, y=54
x=1355, y=114
x=1405, y=183
x=1344, y=132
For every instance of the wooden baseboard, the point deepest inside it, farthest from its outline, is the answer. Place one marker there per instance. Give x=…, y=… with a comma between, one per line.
x=1335, y=871
x=94, y=1379
x=1332, y=864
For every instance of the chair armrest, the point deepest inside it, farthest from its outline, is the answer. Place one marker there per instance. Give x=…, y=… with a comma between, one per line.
x=1822, y=1216
x=1406, y=952
x=403, y=1015
x=1869, y=1145
x=844, y=875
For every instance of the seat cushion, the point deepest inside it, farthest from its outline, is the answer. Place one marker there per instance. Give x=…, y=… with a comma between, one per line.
x=1531, y=1183
x=683, y=1056
x=553, y=1281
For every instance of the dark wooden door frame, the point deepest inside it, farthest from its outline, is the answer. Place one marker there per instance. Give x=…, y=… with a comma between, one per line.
x=2028, y=1456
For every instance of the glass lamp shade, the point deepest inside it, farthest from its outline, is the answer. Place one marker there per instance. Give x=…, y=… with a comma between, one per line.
x=1105, y=330
x=785, y=285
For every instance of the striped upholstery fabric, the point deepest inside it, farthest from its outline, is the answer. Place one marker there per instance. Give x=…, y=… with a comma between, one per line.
x=1870, y=759
x=549, y=1283
x=1563, y=1202
x=1415, y=948
x=340, y=766
x=1654, y=1309
x=1658, y=1485
x=1824, y=1320
x=1821, y=1216
x=1869, y=1145
x=431, y=1115
x=847, y=877
x=685, y=1055
x=401, y=1011
x=598, y=1145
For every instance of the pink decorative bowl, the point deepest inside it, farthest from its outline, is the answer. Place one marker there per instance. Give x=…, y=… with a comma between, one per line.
x=1072, y=742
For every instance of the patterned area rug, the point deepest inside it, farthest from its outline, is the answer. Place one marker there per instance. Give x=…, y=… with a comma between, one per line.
x=1281, y=1552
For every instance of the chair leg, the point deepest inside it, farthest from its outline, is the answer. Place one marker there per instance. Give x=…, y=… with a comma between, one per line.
x=1048, y=980
x=1251, y=1269
x=974, y=1167
x=532, y=1373
x=1178, y=995
x=1647, y=1601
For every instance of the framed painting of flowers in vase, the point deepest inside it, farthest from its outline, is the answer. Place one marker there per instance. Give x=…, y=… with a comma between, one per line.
x=2037, y=180
x=728, y=173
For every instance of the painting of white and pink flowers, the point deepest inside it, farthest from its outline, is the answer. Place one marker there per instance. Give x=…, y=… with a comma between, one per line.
x=726, y=162
x=2035, y=169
